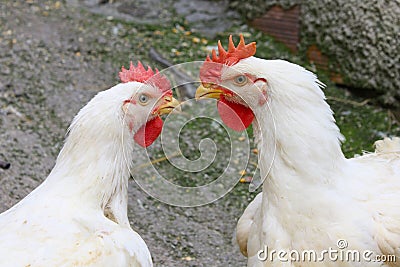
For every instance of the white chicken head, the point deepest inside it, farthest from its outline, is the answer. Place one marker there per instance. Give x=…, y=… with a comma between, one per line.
x=151, y=97
x=226, y=77
x=135, y=104
x=244, y=84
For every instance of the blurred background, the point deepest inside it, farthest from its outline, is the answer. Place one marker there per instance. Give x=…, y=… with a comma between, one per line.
x=56, y=55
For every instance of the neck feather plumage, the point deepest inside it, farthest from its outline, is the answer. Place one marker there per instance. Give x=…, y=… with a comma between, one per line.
x=95, y=160
x=298, y=139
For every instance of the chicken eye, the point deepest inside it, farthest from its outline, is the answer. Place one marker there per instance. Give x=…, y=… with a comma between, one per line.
x=143, y=99
x=240, y=80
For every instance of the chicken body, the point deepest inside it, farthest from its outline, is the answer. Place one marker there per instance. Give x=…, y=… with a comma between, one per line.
x=43, y=231
x=356, y=203
x=313, y=198
x=78, y=215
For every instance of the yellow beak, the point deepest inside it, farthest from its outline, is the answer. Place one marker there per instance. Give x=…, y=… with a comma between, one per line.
x=169, y=104
x=208, y=92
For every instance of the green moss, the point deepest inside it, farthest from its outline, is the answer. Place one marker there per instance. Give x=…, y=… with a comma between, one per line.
x=361, y=124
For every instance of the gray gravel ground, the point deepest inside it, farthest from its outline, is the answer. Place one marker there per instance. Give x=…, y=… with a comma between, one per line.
x=53, y=58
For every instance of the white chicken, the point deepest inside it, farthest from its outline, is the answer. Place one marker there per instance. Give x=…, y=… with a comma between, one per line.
x=313, y=198
x=78, y=215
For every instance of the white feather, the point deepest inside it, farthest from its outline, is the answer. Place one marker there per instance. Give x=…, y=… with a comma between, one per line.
x=63, y=222
x=313, y=196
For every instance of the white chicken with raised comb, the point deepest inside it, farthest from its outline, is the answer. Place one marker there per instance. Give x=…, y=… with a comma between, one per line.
x=78, y=215
x=313, y=198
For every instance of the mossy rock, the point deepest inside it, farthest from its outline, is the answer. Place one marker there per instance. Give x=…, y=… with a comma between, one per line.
x=360, y=38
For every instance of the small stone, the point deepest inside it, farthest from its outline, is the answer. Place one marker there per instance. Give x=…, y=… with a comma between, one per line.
x=246, y=179
x=187, y=258
x=57, y=5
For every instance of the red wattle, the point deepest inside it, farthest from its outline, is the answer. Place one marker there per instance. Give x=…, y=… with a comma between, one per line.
x=149, y=132
x=236, y=116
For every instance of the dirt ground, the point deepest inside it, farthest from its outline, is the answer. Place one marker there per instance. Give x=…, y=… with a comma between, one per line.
x=53, y=59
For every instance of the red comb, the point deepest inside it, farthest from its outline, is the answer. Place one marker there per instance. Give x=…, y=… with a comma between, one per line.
x=140, y=74
x=234, y=54
x=210, y=72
